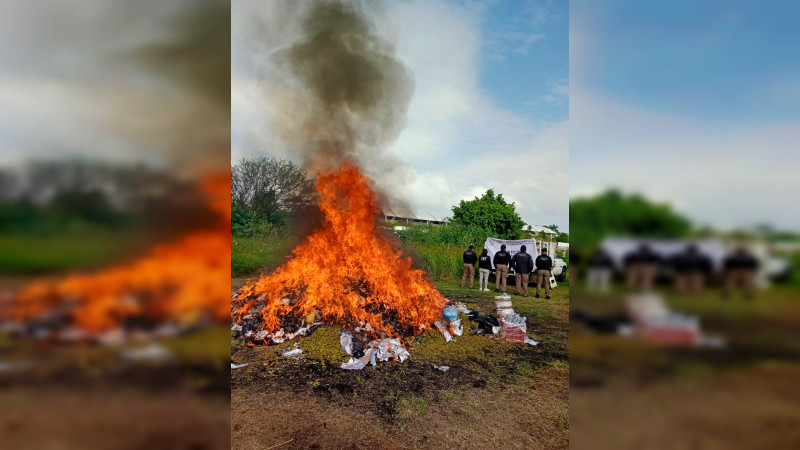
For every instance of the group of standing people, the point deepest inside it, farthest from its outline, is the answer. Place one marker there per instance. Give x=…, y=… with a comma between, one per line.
x=522, y=263
x=690, y=269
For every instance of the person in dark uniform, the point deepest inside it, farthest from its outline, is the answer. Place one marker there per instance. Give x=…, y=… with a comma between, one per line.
x=575, y=259
x=470, y=258
x=543, y=266
x=523, y=266
x=690, y=270
x=484, y=269
x=641, y=268
x=740, y=270
x=601, y=267
x=501, y=261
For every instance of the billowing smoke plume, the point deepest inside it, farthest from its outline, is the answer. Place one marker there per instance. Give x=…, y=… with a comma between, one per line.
x=343, y=95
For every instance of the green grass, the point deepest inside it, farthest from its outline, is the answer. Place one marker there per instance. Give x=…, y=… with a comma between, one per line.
x=440, y=262
x=29, y=253
x=249, y=254
x=538, y=308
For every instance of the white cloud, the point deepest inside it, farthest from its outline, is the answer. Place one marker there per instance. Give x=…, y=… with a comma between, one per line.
x=714, y=174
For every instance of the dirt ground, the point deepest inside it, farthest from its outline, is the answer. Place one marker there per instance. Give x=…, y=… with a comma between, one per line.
x=496, y=394
x=629, y=394
x=88, y=397
x=112, y=417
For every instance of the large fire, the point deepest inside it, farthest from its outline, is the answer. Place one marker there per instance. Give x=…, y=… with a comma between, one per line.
x=181, y=281
x=344, y=273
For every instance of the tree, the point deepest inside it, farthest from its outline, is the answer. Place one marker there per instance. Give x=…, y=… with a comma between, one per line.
x=615, y=214
x=270, y=189
x=490, y=212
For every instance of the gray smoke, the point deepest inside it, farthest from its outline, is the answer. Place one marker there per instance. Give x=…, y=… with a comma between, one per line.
x=145, y=81
x=346, y=95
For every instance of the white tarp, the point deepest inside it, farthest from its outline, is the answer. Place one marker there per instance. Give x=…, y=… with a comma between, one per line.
x=512, y=247
x=619, y=248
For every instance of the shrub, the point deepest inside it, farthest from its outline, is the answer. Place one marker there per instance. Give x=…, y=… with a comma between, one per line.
x=449, y=234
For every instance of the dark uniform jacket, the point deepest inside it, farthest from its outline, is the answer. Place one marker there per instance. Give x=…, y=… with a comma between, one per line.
x=600, y=260
x=523, y=263
x=544, y=262
x=470, y=257
x=740, y=261
x=691, y=262
x=485, y=262
x=642, y=256
x=502, y=257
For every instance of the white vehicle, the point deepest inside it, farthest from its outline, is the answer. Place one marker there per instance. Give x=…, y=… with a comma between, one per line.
x=559, y=269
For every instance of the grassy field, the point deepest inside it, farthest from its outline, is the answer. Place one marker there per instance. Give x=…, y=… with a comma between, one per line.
x=251, y=254
x=441, y=262
x=31, y=253
x=496, y=394
x=626, y=393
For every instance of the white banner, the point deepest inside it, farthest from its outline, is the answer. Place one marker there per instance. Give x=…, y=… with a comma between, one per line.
x=619, y=248
x=512, y=247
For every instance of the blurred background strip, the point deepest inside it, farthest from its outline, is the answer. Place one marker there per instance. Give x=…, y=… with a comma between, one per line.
x=685, y=318
x=114, y=224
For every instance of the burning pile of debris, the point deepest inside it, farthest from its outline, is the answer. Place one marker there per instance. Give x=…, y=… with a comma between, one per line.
x=345, y=274
x=346, y=101
x=175, y=287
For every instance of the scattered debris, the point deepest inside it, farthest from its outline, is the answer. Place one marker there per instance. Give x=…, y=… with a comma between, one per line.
x=450, y=313
x=390, y=348
x=152, y=353
x=294, y=352
x=656, y=323
x=442, y=368
x=360, y=363
x=462, y=308
x=378, y=350
x=488, y=324
x=440, y=326
x=458, y=330
x=530, y=341
x=514, y=327
x=711, y=342
x=115, y=336
x=353, y=345
x=238, y=366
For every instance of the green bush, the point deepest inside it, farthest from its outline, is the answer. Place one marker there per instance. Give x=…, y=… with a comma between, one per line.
x=449, y=234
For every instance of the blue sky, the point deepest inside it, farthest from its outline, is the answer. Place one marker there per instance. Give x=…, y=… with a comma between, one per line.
x=718, y=60
x=524, y=62
x=694, y=103
x=490, y=106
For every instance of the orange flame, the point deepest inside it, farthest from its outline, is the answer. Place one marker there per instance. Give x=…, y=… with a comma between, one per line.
x=345, y=272
x=184, y=280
